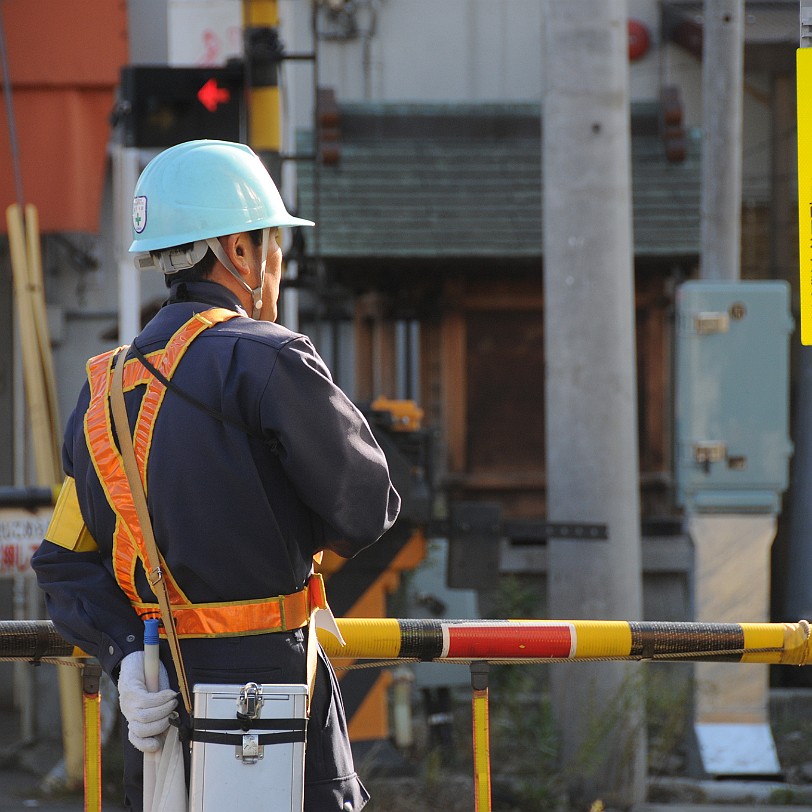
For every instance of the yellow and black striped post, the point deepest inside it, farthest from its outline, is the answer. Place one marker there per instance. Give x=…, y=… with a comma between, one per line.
x=263, y=55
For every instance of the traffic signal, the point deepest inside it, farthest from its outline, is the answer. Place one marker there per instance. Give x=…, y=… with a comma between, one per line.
x=328, y=127
x=672, y=126
x=162, y=106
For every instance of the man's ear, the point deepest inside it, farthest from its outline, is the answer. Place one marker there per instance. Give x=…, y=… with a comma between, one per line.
x=237, y=248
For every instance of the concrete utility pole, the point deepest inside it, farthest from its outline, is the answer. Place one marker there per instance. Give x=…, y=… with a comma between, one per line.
x=722, y=84
x=590, y=387
x=731, y=539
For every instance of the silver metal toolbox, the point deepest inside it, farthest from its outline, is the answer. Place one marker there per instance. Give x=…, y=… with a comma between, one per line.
x=248, y=748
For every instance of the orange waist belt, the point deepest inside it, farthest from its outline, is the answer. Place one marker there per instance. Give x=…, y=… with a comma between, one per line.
x=239, y=618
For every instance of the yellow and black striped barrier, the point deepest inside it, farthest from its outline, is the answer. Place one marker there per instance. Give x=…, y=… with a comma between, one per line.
x=478, y=642
x=502, y=641
x=524, y=641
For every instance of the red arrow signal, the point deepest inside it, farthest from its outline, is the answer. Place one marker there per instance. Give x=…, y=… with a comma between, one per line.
x=211, y=95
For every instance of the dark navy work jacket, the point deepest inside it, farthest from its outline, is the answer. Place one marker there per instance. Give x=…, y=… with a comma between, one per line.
x=235, y=517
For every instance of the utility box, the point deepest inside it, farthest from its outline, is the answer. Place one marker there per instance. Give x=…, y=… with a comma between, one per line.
x=732, y=396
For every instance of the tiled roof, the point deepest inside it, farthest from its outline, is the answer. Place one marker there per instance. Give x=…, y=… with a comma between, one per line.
x=465, y=181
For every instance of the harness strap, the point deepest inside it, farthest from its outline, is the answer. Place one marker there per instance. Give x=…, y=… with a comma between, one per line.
x=281, y=613
x=153, y=562
x=128, y=544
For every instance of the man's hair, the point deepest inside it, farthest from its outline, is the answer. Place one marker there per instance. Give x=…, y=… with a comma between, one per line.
x=204, y=267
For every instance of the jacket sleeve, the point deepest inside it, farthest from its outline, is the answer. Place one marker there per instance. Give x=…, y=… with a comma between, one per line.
x=84, y=601
x=328, y=450
x=86, y=605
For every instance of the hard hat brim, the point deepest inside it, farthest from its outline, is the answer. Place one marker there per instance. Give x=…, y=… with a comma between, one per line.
x=158, y=244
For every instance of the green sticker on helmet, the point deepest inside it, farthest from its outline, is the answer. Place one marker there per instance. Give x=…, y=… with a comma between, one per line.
x=139, y=213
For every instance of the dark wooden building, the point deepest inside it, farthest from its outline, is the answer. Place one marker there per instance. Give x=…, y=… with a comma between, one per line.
x=432, y=216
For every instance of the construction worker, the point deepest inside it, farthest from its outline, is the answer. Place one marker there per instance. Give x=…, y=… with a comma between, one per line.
x=252, y=459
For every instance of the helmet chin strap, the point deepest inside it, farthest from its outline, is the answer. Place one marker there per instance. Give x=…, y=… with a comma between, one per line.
x=256, y=293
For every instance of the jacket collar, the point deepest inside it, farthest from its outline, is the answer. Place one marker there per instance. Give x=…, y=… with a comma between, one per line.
x=208, y=293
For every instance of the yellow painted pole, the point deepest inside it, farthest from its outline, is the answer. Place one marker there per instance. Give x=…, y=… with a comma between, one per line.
x=261, y=23
x=258, y=13
x=804, y=113
x=32, y=379
x=482, y=737
x=37, y=295
x=264, y=121
x=91, y=700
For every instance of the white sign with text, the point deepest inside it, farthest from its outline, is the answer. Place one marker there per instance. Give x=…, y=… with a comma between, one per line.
x=21, y=532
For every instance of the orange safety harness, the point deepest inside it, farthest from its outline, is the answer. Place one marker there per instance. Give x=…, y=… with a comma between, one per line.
x=223, y=619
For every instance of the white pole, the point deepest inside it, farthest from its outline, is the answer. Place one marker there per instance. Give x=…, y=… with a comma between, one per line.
x=125, y=175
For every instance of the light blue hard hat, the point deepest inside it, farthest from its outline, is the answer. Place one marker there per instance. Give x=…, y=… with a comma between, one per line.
x=203, y=189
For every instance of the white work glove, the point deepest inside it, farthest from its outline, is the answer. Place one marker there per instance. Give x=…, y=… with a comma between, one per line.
x=147, y=713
